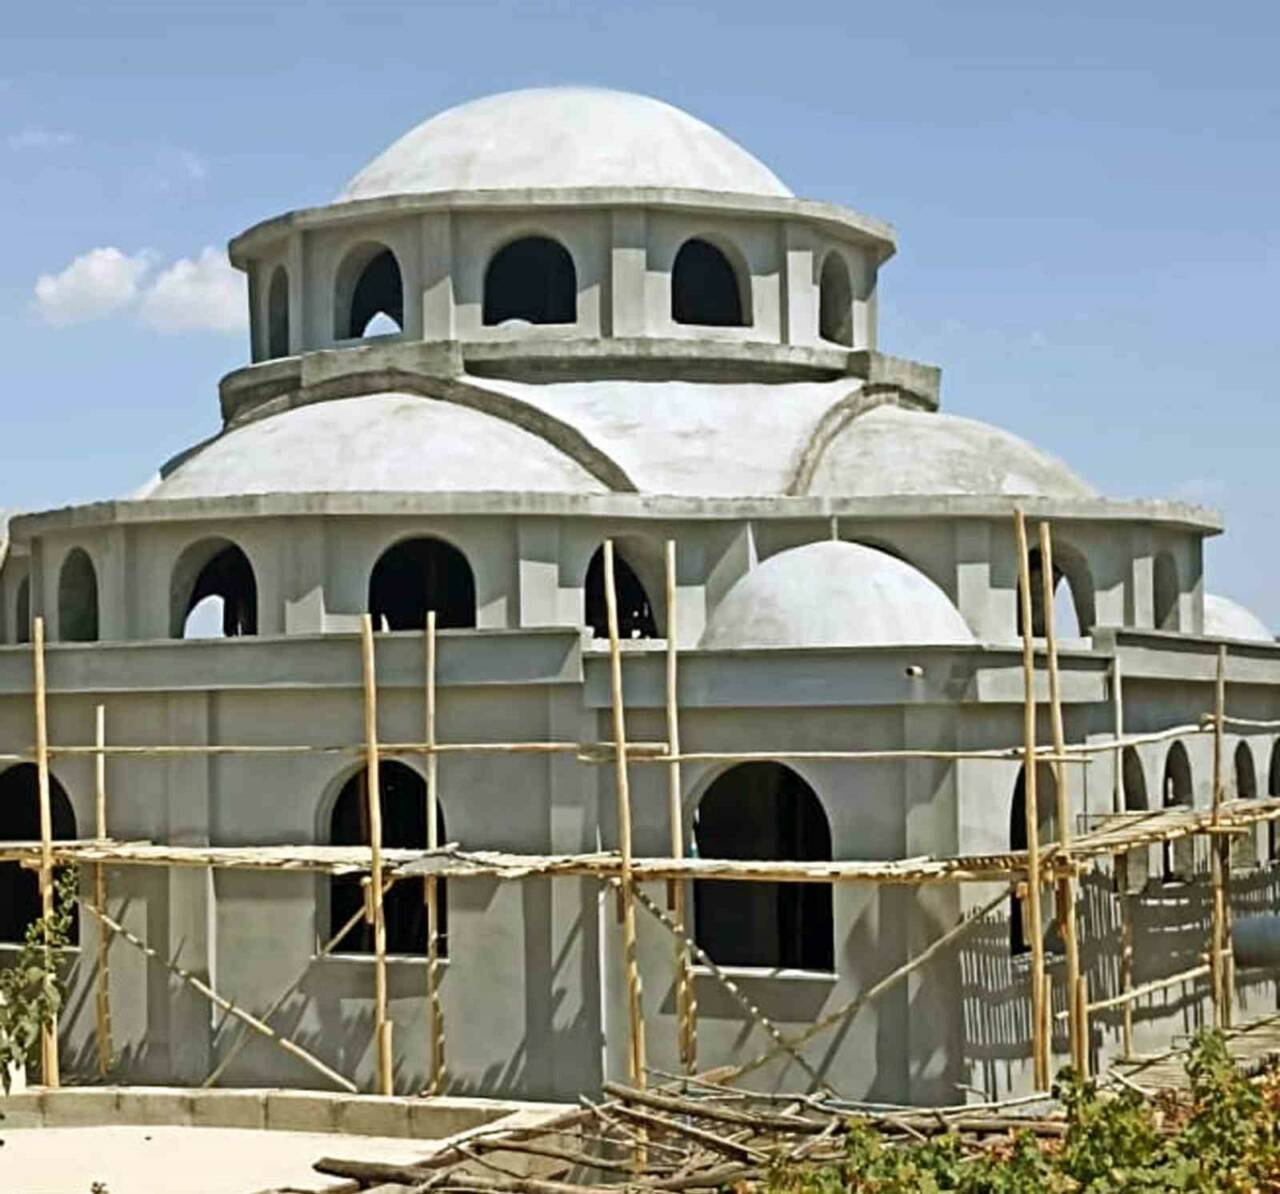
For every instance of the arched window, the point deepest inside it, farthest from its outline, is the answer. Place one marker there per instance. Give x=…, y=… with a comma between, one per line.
x=1134, y=787
x=532, y=280
x=20, y=822
x=78, y=598
x=705, y=288
x=278, y=314
x=403, y=801
x=1046, y=803
x=22, y=612
x=835, y=301
x=763, y=811
x=635, y=611
x=213, y=593
x=1073, y=597
x=1244, y=848
x=370, y=294
x=417, y=575
x=1166, y=588
x=1178, y=857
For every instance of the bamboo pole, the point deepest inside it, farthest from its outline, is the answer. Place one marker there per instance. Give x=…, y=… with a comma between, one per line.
x=49, y=1066
x=1117, y=707
x=636, y=1068
x=1039, y=1038
x=373, y=795
x=102, y=985
x=431, y=890
x=1067, y=883
x=686, y=996
x=1126, y=970
x=1220, y=853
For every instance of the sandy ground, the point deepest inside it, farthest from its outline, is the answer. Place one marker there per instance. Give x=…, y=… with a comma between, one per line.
x=174, y=1160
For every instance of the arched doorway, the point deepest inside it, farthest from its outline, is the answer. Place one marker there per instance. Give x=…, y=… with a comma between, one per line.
x=635, y=610
x=835, y=301
x=417, y=575
x=1073, y=604
x=705, y=289
x=20, y=822
x=403, y=801
x=1046, y=820
x=763, y=811
x=1133, y=782
x=22, y=612
x=1177, y=857
x=1165, y=589
x=369, y=298
x=78, y=598
x=532, y=280
x=1244, y=848
x=278, y=313
x=213, y=593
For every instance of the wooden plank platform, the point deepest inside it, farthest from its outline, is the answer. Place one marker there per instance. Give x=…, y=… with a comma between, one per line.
x=1253, y=1046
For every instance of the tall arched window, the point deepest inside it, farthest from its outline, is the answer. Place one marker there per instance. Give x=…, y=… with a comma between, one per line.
x=532, y=280
x=705, y=288
x=763, y=811
x=213, y=593
x=403, y=801
x=835, y=301
x=278, y=313
x=22, y=612
x=1166, y=588
x=78, y=598
x=1244, y=848
x=1178, y=857
x=20, y=822
x=417, y=575
x=1046, y=802
x=635, y=610
x=1134, y=786
x=1073, y=604
x=370, y=294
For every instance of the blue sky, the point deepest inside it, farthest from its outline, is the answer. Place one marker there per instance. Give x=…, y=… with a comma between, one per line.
x=1086, y=198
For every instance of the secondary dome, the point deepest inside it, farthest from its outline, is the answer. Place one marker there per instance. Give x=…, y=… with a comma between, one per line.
x=834, y=594
x=890, y=450
x=1224, y=618
x=563, y=137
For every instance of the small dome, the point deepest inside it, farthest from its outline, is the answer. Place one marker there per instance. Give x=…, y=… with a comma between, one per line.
x=375, y=444
x=1224, y=618
x=890, y=450
x=563, y=137
x=834, y=594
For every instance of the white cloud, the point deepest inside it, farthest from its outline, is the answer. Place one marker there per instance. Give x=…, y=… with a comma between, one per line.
x=95, y=284
x=35, y=137
x=206, y=294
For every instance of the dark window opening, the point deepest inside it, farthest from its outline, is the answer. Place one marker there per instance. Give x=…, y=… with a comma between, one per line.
x=1165, y=594
x=22, y=612
x=403, y=801
x=1244, y=847
x=370, y=298
x=215, y=593
x=1133, y=785
x=635, y=611
x=1073, y=602
x=78, y=599
x=763, y=811
x=1046, y=821
x=20, y=822
x=704, y=287
x=1177, y=857
x=1273, y=789
x=835, y=301
x=533, y=280
x=278, y=314
x=417, y=575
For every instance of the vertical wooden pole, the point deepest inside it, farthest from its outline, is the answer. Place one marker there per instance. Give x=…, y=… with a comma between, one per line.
x=1067, y=884
x=431, y=892
x=1126, y=965
x=636, y=1068
x=1220, y=854
x=1039, y=988
x=102, y=987
x=373, y=800
x=1117, y=709
x=49, y=1068
x=686, y=1000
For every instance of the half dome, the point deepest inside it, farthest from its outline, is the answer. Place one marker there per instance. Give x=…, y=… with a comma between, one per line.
x=834, y=594
x=891, y=450
x=1224, y=618
x=562, y=137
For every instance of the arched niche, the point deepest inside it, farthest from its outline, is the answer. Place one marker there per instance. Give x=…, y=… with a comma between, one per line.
x=368, y=294
x=835, y=301
x=213, y=592
x=20, y=822
x=1046, y=822
x=531, y=280
x=402, y=800
x=636, y=611
x=706, y=289
x=1177, y=791
x=278, y=313
x=1165, y=589
x=78, y=616
x=768, y=812
x=417, y=575
x=1074, y=606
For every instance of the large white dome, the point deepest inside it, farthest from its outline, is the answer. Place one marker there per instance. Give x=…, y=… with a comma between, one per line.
x=1224, y=618
x=834, y=594
x=563, y=137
